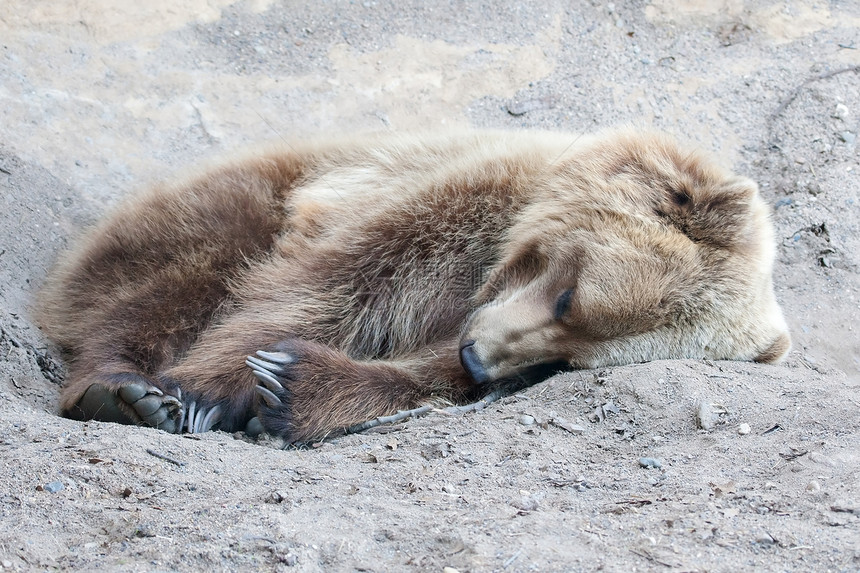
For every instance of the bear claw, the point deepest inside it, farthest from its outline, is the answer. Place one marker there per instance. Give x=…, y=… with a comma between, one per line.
x=198, y=420
x=269, y=396
x=265, y=371
x=276, y=357
x=268, y=371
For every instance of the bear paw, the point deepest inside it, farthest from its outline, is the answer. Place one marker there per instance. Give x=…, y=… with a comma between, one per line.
x=310, y=391
x=134, y=403
x=289, y=380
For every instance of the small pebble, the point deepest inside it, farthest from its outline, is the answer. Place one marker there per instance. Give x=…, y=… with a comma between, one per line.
x=565, y=425
x=704, y=417
x=449, y=488
x=449, y=570
x=526, y=503
x=275, y=497
x=54, y=486
x=744, y=429
x=650, y=463
x=813, y=486
x=526, y=420
x=841, y=111
x=765, y=539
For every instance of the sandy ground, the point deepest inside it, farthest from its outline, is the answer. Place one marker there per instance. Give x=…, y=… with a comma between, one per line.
x=99, y=98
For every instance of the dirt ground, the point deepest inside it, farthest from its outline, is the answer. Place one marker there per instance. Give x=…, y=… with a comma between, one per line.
x=99, y=98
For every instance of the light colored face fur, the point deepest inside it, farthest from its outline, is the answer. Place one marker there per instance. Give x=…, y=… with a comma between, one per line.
x=636, y=251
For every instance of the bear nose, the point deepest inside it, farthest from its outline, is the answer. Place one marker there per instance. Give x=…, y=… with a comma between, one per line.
x=471, y=363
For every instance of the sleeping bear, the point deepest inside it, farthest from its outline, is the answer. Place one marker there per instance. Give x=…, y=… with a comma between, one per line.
x=315, y=286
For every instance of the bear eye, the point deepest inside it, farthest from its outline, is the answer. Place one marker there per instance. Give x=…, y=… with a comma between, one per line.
x=562, y=305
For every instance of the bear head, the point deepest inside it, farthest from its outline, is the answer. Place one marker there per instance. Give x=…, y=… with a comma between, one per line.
x=632, y=250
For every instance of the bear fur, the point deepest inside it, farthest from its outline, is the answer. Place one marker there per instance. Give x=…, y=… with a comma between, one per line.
x=384, y=272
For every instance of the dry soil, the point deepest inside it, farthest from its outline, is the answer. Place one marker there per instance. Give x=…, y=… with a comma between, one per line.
x=99, y=98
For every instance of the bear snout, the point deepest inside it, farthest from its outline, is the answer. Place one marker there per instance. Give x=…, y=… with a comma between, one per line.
x=471, y=363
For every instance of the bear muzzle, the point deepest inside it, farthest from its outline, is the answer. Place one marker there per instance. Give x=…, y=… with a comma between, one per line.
x=507, y=337
x=472, y=363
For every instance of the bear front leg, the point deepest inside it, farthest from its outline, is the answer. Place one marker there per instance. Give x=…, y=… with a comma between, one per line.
x=309, y=390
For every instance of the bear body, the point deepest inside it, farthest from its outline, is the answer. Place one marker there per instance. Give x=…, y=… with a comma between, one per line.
x=318, y=286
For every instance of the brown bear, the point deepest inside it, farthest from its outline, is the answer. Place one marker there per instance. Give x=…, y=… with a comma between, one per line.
x=316, y=286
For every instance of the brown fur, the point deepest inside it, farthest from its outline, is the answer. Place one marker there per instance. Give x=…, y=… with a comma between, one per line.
x=373, y=261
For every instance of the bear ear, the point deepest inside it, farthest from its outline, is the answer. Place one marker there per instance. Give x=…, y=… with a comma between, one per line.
x=726, y=212
x=734, y=196
x=776, y=351
x=720, y=214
